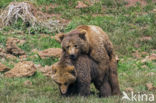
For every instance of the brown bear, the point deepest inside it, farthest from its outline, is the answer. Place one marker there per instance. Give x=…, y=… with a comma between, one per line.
x=93, y=41
x=85, y=71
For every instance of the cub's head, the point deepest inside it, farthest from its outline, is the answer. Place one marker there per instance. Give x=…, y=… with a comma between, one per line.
x=63, y=75
x=74, y=43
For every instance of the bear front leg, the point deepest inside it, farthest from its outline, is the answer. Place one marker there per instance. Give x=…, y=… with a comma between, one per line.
x=104, y=87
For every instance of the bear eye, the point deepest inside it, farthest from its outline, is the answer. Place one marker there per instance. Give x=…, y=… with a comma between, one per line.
x=54, y=71
x=72, y=72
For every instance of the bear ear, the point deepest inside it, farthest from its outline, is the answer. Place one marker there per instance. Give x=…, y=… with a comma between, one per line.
x=71, y=69
x=82, y=35
x=59, y=37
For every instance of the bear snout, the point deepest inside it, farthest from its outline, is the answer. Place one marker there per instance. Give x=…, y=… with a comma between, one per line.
x=72, y=56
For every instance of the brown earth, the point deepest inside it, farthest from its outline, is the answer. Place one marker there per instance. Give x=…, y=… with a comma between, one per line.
x=12, y=48
x=22, y=69
x=3, y=68
x=51, y=52
x=133, y=2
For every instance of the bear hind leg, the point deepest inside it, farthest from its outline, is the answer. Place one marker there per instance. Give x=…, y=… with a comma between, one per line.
x=104, y=88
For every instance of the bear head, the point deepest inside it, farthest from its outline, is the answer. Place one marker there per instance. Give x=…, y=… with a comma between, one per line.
x=74, y=43
x=63, y=75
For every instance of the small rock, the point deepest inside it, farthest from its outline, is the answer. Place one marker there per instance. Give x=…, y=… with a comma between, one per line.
x=12, y=48
x=129, y=89
x=80, y=4
x=27, y=83
x=51, y=52
x=3, y=68
x=149, y=86
x=22, y=69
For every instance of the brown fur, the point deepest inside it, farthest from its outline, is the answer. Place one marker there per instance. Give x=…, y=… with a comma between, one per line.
x=86, y=73
x=93, y=41
x=64, y=75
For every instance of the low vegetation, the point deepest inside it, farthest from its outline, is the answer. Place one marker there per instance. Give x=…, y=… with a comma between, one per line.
x=131, y=29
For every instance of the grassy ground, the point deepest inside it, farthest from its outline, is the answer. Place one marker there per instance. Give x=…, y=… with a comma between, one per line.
x=125, y=27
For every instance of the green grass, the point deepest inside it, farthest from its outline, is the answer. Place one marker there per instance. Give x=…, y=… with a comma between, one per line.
x=124, y=25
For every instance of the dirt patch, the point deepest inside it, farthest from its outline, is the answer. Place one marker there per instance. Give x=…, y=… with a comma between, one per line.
x=81, y=4
x=152, y=57
x=3, y=68
x=12, y=48
x=22, y=69
x=5, y=55
x=51, y=52
x=133, y=2
x=145, y=38
x=150, y=86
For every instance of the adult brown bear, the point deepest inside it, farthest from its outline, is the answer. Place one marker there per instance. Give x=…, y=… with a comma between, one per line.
x=93, y=41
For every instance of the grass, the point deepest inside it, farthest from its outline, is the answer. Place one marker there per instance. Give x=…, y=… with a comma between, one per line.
x=124, y=25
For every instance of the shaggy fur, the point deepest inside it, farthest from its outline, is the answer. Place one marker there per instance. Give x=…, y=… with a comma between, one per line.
x=94, y=42
x=86, y=73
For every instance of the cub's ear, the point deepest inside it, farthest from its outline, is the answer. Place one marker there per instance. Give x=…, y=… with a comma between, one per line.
x=82, y=35
x=71, y=69
x=59, y=37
